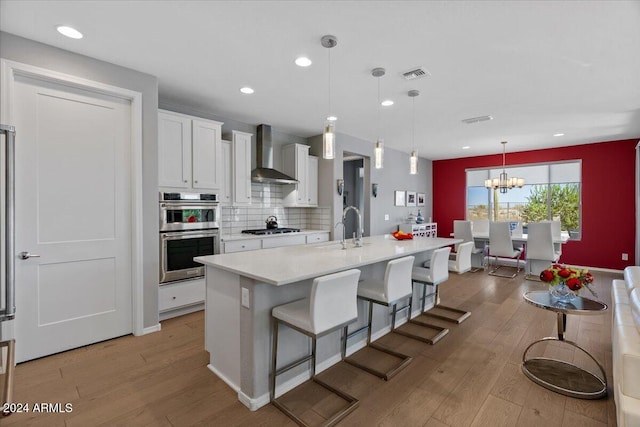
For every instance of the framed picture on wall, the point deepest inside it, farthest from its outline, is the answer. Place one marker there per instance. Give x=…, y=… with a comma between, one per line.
x=411, y=198
x=399, y=198
x=421, y=197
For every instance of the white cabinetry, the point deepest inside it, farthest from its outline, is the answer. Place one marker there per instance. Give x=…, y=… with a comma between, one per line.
x=289, y=240
x=241, y=245
x=182, y=297
x=226, y=186
x=312, y=180
x=297, y=162
x=189, y=152
x=317, y=237
x=241, y=149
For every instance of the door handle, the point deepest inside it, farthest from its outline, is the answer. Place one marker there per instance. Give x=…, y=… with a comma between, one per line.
x=27, y=255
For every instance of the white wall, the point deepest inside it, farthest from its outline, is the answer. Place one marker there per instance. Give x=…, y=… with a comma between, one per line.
x=40, y=55
x=394, y=176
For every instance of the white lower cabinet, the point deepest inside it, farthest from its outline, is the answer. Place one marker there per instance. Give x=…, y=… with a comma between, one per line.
x=273, y=242
x=317, y=238
x=182, y=295
x=278, y=242
x=241, y=245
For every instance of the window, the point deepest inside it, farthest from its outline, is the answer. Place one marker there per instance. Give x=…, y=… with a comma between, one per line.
x=551, y=192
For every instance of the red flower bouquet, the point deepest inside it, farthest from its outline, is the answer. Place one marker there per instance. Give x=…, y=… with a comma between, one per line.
x=567, y=280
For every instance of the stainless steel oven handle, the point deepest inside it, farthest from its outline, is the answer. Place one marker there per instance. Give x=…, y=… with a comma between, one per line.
x=178, y=235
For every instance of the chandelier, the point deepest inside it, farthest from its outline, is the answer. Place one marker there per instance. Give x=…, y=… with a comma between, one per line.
x=504, y=183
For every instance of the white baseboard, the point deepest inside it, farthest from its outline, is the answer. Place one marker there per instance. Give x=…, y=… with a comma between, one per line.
x=227, y=381
x=253, y=404
x=164, y=315
x=152, y=329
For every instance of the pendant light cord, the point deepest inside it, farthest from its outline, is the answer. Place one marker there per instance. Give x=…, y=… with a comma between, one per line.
x=329, y=112
x=378, y=108
x=413, y=124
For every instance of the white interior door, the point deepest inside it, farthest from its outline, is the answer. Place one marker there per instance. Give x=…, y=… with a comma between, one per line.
x=73, y=210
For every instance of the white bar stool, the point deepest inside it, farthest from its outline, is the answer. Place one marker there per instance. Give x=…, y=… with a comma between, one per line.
x=435, y=275
x=331, y=306
x=395, y=286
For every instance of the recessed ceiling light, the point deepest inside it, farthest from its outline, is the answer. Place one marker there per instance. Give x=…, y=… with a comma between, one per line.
x=303, y=61
x=246, y=90
x=69, y=32
x=466, y=147
x=558, y=134
x=332, y=118
x=386, y=103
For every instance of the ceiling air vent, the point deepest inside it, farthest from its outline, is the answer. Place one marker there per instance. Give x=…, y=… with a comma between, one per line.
x=416, y=73
x=472, y=120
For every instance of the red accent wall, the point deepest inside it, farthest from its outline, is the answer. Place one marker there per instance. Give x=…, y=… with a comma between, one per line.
x=608, y=197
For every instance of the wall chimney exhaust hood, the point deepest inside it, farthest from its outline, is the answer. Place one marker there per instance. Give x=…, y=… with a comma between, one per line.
x=265, y=173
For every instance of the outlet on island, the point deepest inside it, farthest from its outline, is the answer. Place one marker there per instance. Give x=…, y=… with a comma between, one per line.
x=245, y=298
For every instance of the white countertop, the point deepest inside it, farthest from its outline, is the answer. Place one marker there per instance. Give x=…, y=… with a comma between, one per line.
x=230, y=237
x=281, y=266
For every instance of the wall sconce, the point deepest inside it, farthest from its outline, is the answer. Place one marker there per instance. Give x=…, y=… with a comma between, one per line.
x=340, y=186
x=374, y=190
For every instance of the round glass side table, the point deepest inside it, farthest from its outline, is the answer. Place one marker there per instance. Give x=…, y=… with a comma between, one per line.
x=557, y=375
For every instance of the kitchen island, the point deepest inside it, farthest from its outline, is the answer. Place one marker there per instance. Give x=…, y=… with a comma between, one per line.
x=242, y=288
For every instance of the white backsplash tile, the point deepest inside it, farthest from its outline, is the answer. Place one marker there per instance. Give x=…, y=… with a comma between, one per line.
x=266, y=200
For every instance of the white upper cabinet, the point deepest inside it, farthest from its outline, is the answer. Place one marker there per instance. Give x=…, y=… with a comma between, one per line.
x=174, y=150
x=206, y=154
x=226, y=186
x=312, y=181
x=189, y=152
x=241, y=149
x=297, y=162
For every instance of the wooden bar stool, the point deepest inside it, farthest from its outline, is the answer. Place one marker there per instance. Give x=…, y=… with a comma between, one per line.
x=331, y=306
x=395, y=287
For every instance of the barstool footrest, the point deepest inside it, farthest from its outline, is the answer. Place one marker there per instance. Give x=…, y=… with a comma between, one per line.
x=461, y=314
x=441, y=332
x=333, y=419
x=404, y=361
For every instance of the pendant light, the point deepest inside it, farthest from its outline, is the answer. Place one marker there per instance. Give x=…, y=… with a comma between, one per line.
x=378, y=151
x=504, y=183
x=329, y=132
x=413, y=160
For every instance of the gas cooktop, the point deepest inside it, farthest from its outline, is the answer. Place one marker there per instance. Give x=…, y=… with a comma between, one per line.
x=262, y=231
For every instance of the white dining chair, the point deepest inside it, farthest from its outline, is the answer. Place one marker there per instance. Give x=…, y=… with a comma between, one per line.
x=556, y=233
x=540, y=249
x=462, y=230
x=480, y=226
x=501, y=246
x=462, y=260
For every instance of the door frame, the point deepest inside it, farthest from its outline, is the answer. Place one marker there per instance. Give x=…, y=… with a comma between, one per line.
x=9, y=70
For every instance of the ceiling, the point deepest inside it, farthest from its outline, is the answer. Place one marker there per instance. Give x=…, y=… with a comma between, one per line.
x=537, y=67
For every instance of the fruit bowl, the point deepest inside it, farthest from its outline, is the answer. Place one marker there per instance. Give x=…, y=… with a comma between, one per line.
x=400, y=235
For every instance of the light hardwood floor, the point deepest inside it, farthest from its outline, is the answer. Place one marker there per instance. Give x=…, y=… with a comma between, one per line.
x=471, y=377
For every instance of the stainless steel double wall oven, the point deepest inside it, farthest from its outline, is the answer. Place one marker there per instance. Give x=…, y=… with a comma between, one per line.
x=189, y=227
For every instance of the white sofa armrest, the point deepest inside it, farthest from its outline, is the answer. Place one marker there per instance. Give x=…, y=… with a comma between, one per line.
x=619, y=293
x=632, y=277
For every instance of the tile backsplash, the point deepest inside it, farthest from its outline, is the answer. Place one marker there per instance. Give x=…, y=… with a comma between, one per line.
x=266, y=200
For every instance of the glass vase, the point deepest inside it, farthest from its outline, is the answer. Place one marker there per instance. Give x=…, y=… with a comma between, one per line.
x=561, y=292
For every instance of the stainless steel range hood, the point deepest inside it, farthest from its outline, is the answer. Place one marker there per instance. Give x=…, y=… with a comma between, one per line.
x=265, y=173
